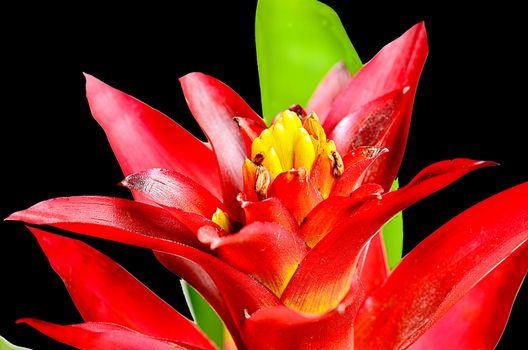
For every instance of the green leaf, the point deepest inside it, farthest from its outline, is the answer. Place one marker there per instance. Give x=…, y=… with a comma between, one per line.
x=392, y=234
x=5, y=345
x=204, y=315
x=298, y=41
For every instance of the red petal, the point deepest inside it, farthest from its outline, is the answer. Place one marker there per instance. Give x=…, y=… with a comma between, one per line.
x=328, y=89
x=383, y=123
x=356, y=163
x=112, y=218
x=144, y=138
x=438, y=273
x=398, y=64
x=296, y=192
x=266, y=251
x=269, y=210
x=478, y=319
x=340, y=248
x=98, y=335
x=396, y=67
x=231, y=293
x=282, y=328
x=365, y=126
x=172, y=189
x=105, y=292
x=214, y=105
x=332, y=211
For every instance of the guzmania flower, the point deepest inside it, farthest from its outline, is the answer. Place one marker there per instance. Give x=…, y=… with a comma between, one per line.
x=279, y=227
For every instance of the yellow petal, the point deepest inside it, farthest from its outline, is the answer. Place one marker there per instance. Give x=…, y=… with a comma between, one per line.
x=304, y=153
x=284, y=142
x=272, y=163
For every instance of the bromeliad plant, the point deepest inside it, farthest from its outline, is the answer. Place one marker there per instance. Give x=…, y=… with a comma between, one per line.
x=278, y=227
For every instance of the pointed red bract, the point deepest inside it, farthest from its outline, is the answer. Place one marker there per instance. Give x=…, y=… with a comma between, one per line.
x=142, y=137
x=265, y=251
x=442, y=269
x=479, y=318
x=269, y=210
x=172, y=189
x=340, y=248
x=397, y=65
x=328, y=89
x=214, y=105
x=330, y=212
x=365, y=126
x=99, y=335
x=294, y=189
x=378, y=123
x=103, y=291
x=386, y=122
x=111, y=218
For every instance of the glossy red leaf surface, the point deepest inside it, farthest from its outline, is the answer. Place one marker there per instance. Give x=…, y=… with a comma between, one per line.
x=372, y=267
x=477, y=321
x=103, y=291
x=282, y=328
x=328, y=89
x=172, y=189
x=394, y=70
x=397, y=65
x=142, y=137
x=111, y=218
x=330, y=212
x=214, y=105
x=365, y=126
x=264, y=250
x=426, y=284
x=98, y=335
x=230, y=292
x=316, y=286
x=380, y=123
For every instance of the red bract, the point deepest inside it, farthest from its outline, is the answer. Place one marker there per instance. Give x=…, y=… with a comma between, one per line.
x=278, y=227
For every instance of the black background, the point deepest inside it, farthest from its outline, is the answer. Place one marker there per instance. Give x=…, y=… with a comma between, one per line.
x=470, y=103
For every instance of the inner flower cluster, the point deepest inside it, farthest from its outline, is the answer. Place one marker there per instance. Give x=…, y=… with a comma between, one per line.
x=293, y=143
x=296, y=143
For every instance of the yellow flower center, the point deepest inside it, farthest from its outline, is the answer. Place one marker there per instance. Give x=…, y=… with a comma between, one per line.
x=291, y=144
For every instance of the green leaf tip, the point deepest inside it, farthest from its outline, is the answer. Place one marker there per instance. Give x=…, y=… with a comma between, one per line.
x=5, y=345
x=297, y=41
x=204, y=315
x=392, y=234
